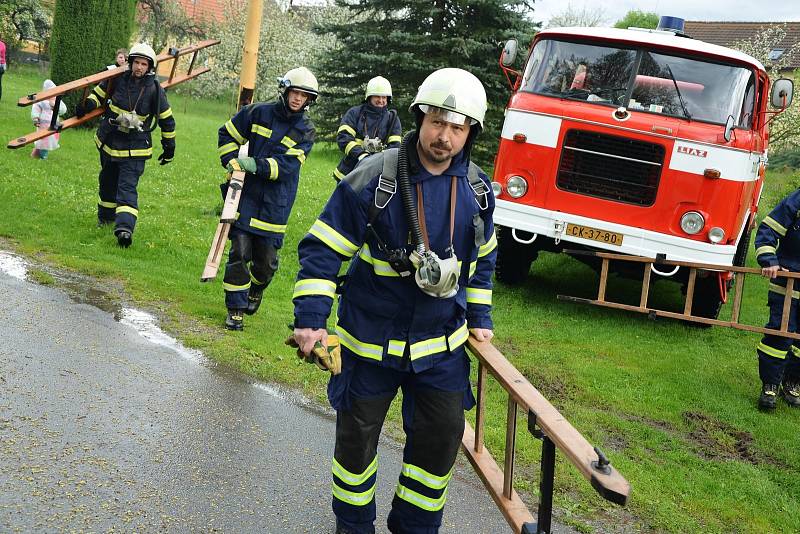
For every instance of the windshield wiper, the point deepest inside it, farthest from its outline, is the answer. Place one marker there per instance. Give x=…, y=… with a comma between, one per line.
x=680, y=97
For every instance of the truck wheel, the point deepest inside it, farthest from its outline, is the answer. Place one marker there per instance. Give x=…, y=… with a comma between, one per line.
x=741, y=251
x=513, y=258
x=707, y=301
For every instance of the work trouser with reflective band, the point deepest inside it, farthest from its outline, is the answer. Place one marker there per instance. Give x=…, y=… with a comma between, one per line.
x=779, y=357
x=119, y=201
x=433, y=420
x=252, y=262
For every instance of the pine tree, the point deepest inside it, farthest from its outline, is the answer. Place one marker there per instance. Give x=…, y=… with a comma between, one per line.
x=86, y=35
x=407, y=40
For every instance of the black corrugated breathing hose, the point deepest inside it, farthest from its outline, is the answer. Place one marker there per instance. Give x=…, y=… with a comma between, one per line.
x=409, y=206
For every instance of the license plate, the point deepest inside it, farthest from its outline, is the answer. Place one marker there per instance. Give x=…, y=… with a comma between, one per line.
x=587, y=232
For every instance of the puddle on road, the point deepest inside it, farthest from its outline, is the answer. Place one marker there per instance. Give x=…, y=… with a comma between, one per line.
x=147, y=327
x=13, y=265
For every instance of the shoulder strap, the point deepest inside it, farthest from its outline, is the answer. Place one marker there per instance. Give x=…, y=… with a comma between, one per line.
x=387, y=184
x=478, y=186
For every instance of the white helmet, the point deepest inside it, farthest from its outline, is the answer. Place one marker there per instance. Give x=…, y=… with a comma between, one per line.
x=301, y=79
x=145, y=51
x=378, y=86
x=453, y=90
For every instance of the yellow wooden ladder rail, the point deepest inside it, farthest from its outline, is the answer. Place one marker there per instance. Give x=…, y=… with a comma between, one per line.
x=545, y=423
x=643, y=307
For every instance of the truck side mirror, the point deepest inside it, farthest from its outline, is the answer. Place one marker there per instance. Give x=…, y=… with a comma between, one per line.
x=729, y=126
x=509, y=53
x=782, y=91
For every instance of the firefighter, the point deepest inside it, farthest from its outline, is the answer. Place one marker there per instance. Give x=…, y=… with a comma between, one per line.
x=405, y=310
x=368, y=128
x=135, y=103
x=778, y=249
x=279, y=136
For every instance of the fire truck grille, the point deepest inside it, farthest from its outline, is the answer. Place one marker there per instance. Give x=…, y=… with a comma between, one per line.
x=610, y=167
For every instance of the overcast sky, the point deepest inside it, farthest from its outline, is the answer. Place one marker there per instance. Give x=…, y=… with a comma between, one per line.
x=739, y=10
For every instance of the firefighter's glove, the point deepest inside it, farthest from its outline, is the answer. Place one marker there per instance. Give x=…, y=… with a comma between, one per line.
x=81, y=109
x=329, y=359
x=242, y=164
x=167, y=155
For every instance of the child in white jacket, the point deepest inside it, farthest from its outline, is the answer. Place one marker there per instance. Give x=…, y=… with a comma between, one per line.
x=42, y=114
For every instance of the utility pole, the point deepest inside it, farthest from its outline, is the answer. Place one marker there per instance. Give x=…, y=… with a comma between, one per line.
x=247, y=81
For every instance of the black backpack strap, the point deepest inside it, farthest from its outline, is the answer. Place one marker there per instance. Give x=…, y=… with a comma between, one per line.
x=387, y=184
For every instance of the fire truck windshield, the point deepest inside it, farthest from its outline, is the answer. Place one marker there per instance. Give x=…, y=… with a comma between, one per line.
x=642, y=80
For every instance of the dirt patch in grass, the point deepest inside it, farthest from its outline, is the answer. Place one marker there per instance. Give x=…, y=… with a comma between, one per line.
x=555, y=389
x=717, y=440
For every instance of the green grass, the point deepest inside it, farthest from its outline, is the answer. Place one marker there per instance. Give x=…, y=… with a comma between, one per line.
x=671, y=405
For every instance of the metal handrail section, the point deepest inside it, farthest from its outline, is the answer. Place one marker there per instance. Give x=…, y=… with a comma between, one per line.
x=544, y=423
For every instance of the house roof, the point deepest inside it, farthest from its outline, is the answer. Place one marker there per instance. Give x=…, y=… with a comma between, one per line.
x=729, y=33
x=204, y=10
x=661, y=39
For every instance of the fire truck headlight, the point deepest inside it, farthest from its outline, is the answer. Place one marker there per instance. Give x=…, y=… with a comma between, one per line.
x=716, y=235
x=497, y=189
x=692, y=222
x=516, y=186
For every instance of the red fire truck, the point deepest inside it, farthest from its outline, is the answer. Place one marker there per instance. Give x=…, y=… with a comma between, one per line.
x=641, y=142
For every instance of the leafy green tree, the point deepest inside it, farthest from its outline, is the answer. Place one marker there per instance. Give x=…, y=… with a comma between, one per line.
x=407, y=40
x=638, y=19
x=24, y=20
x=86, y=34
x=165, y=22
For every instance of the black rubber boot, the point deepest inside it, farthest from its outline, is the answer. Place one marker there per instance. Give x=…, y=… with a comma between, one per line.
x=769, y=392
x=254, y=301
x=124, y=238
x=235, y=320
x=791, y=393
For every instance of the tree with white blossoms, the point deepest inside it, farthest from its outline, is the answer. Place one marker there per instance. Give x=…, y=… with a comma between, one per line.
x=785, y=128
x=286, y=41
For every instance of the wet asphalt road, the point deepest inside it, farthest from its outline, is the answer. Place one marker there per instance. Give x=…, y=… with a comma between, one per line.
x=103, y=430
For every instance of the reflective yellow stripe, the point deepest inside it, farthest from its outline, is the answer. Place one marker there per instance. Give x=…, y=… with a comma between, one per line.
x=225, y=149
x=766, y=249
x=393, y=139
x=479, y=296
x=473, y=266
x=234, y=132
x=268, y=227
x=795, y=351
x=273, y=168
x=288, y=141
x=166, y=113
x=99, y=90
x=459, y=337
x=775, y=353
x=354, y=479
x=261, y=130
x=127, y=209
x=119, y=111
x=167, y=135
x=367, y=350
x=333, y=239
x=380, y=267
x=426, y=478
x=421, y=501
x=781, y=290
x=93, y=98
x=346, y=128
x=488, y=246
x=254, y=279
x=775, y=225
x=143, y=152
x=396, y=347
x=298, y=153
x=107, y=204
x=356, y=499
x=314, y=286
x=351, y=145
x=338, y=174
x=427, y=347
x=233, y=287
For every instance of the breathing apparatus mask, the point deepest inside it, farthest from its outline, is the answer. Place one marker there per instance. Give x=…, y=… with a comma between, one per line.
x=125, y=122
x=372, y=145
